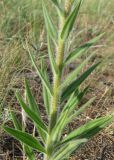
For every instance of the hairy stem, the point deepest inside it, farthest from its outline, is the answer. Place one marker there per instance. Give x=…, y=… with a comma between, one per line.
x=59, y=62
x=57, y=80
x=56, y=92
x=68, y=5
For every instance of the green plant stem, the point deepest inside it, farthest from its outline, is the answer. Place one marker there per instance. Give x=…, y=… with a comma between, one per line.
x=56, y=83
x=68, y=5
x=59, y=62
x=55, y=98
x=56, y=92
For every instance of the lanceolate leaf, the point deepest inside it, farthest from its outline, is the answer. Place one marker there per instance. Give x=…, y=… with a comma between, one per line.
x=57, y=130
x=75, y=100
x=44, y=81
x=81, y=50
x=89, y=129
x=70, y=21
x=51, y=57
x=31, y=100
x=76, y=72
x=25, y=138
x=35, y=108
x=58, y=7
x=81, y=110
x=72, y=97
x=70, y=89
x=31, y=114
x=46, y=96
x=28, y=151
x=66, y=114
x=51, y=30
x=55, y=1
x=67, y=149
x=16, y=122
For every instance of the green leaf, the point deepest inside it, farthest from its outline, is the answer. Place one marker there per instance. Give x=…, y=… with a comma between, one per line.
x=44, y=81
x=51, y=57
x=70, y=88
x=82, y=109
x=34, y=117
x=25, y=138
x=34, y=107
x=89, y=129
x=65, y=116
x=72, y=97
x=51, y=30
x=76, y=98
x=75, y=73
x=29, y=152
x=67, y=149
x=70, y=21
x=58, y=7
x=15, y=121
x=57, y=130
x=46, y=96
x=55, y=1
x=31, y=100
x=81, y=50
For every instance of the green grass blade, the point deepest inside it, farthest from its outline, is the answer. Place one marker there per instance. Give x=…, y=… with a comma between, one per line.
x=70, y=89
x=51, y=30
x=44, y=81
x=34, y=117
x=25, y=138
x=70, y=21
x=81, y=50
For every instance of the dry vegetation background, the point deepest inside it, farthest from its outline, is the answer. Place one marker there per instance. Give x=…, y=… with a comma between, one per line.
x=22, y=29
